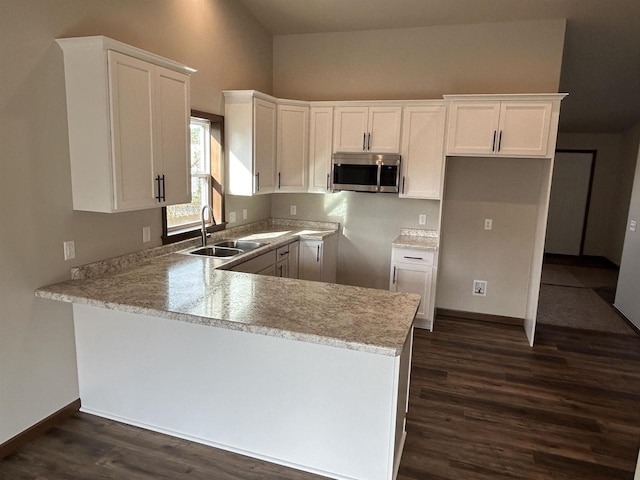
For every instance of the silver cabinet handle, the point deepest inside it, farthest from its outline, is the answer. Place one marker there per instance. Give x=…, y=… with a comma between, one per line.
x=258, y=182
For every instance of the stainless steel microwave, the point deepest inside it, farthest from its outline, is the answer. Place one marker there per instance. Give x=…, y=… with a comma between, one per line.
x=365, y=172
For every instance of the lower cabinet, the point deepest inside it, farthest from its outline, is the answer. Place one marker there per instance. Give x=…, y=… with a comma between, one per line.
x=264, y=264
x=287, y=260
x=414, y=271
x=282, y=262
x=319, y=259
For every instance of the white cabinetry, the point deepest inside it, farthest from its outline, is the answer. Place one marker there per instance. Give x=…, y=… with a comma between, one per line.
x=502, y=125
x=320, y=138
x=293, y=149
x=423, y=151
x=250, y=138
x=287, y=260
x=414, y=271
x=318, y=259
x=369, y=129
x=128, y=116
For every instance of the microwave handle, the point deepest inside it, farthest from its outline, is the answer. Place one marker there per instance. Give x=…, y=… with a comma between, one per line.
x=379, y=174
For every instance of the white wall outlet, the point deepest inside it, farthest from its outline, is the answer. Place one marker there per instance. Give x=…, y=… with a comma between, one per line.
x=422, y=219
x=488, y=223
x=292, y=209
x=245, y=213
x=232, y=217
x=146, y=234
x=633, y=225
x=69, y=250
x=480, y=288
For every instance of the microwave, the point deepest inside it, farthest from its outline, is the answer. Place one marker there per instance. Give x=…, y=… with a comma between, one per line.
x=365, y=172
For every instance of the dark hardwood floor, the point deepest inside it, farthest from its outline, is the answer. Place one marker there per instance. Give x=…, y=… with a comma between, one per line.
x=483, y=406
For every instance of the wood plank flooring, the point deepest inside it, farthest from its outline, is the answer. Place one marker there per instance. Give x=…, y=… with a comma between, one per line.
x=483, y=406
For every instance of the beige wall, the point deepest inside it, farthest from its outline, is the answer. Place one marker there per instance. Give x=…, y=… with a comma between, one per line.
x=609, y=195
x=507, y=191
x=369, y=223
x=425, y=62
x=217, y=37
x=627, y=300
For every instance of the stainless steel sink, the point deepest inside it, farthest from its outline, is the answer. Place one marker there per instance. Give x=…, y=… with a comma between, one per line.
x=216, y=251
x=244, y=245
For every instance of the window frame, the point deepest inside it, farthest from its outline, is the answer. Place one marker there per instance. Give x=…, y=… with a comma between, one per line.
x=216, y=184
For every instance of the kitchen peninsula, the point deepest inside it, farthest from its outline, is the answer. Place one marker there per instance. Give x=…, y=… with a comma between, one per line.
x=306, y=374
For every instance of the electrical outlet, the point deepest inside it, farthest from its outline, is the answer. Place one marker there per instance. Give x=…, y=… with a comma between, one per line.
x=488, y=223
x=292, y=210
x=480, y=288
x=232, y=217
x=633, y=225
x=245, y=213
x=422, y=219
x=146, y=234
x=69, y=250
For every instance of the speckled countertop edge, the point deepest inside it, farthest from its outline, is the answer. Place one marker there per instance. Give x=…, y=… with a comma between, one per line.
x=418, y=239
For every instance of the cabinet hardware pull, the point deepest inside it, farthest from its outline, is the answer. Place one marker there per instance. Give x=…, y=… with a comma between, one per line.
x=403, y=182
x=278, y=180
x=258, y=182
x=493, y=145
x=369, y=142
x=394, y=275
x=281, y=271
x=158, y=196
x=327, y=181
x=318, y=254
x=500, y=141
x=284, y=253
x=414, y=258
x=364, y=141
x=164, y=190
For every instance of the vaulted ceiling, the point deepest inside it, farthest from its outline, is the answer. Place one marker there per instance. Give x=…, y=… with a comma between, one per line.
x=601, y=61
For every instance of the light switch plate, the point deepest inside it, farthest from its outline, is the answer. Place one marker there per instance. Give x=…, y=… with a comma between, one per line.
x=69, y=250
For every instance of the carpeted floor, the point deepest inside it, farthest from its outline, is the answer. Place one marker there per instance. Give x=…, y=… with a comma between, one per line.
x=580, y=296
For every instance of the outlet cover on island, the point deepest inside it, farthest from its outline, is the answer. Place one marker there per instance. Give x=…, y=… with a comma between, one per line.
x=292, y=209
x=69, y=250
x=480, y=288
x=232, y=217
x=245, y=213
x=488, y=224
x=146, y=234
x=422, y=219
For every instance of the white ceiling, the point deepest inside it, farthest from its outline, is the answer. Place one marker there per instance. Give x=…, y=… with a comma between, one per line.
x=601, y=63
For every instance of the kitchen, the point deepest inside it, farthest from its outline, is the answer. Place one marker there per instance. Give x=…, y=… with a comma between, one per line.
x=41, y=332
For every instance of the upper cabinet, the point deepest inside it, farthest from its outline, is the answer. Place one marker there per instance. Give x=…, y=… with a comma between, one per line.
x=422, y=165
x=503, y=125
x=320, y=140
x=293, y=148
x=128, y=117
x=367, y=129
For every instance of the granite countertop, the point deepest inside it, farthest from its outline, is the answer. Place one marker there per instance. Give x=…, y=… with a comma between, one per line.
x=418, y=239
x=192, y=289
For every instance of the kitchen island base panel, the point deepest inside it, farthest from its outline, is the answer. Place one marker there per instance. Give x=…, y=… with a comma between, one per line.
x=327, y=410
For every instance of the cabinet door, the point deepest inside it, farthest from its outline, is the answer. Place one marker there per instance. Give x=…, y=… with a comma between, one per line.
x=350, y=129
x=524, y=128
x=310, y=257
x=264, y=153
x=293, y=259
x=132, y=114
x=383, y=135
x=473, y=128
x=292, y=151
x=422, y=151
x=408, y=278
x=172, y=140
x=320, y=138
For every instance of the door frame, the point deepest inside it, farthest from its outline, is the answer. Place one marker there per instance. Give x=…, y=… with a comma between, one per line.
x=585, y=220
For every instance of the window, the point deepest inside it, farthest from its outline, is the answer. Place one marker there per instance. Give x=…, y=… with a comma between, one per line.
x=184, y=221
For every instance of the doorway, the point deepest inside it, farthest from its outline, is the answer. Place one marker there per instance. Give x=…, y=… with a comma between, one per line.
x=569, y=203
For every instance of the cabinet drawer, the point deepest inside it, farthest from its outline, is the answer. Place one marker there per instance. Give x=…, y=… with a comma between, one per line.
x=282, y=253
x=418, y=257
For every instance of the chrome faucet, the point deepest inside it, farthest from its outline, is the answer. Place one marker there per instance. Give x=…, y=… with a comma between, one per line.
x=204, y=233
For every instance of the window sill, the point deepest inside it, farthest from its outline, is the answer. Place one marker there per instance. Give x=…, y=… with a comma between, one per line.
x=180, y=235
